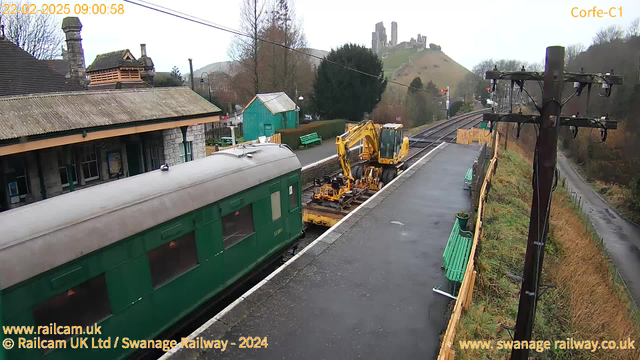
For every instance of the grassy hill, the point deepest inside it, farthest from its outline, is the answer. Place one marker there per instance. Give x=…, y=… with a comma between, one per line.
x=427, y=64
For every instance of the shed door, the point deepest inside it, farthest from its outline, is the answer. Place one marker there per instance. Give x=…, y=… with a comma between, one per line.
x=268, y=130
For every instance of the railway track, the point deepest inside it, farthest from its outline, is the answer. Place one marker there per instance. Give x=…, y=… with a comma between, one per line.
x=435, y=135
x=432, y=137
x=428, y=138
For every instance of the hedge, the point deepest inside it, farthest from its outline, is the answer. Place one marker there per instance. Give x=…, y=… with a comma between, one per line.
x=327, y=129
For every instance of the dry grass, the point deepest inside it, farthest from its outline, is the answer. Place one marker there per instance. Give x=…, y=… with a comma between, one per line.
x=599, y=307
x=435, y=66
x=618, y=196
x=588, y=303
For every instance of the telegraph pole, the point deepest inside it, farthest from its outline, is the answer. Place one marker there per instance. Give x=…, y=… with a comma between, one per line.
x=544, y=164
x=543, y=173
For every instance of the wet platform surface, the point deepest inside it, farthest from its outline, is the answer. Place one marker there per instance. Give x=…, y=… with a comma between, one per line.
x=364, y=288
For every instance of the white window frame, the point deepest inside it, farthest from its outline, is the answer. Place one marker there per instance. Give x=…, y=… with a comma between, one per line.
x=82, y=162
x=63, y=165
x=26, y=182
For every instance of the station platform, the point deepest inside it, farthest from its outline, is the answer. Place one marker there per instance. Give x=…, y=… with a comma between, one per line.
x=363, y=289
x=316, y=153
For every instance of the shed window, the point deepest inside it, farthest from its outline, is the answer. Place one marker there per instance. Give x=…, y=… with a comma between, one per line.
x=173, y=259
x=237, y=226
x=83, y=305
x=293, y=196
x=89, y=163
x=276, y=211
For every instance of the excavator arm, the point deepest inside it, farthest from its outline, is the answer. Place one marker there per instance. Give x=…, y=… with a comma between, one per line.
x=344, y=142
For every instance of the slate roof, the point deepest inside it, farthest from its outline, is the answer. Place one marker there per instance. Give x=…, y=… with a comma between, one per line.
x=60, y=66
x=278, y=102
x=113, y=60
x=37, y=114
x=146, y=61
x=21, y=73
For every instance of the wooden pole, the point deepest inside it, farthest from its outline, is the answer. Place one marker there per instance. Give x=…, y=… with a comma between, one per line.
x=543, y=173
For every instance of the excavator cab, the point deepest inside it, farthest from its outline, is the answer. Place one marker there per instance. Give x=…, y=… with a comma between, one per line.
x=391, y=143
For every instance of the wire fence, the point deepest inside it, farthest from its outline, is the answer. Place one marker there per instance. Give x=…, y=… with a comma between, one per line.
x=581, y=206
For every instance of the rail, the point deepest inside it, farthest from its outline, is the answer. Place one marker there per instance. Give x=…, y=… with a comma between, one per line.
x=474, y=117
x=465, y=294
x=454, y=120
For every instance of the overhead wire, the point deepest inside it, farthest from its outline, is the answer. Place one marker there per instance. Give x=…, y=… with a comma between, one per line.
x=191, y=18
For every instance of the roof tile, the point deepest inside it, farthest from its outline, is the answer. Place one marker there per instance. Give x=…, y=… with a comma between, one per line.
x=21, y=73
x=30, y=115
x=113, y=60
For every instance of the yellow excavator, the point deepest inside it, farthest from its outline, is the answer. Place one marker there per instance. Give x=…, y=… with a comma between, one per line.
x=384, y=149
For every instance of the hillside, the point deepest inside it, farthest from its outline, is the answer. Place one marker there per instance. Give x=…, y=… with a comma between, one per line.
x=225, y=66
x=403, y=65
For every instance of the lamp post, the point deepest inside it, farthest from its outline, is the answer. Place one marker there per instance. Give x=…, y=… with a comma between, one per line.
x=208, y=82
x=300, y=98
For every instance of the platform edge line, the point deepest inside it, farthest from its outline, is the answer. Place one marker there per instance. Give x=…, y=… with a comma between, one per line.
x=229, y=307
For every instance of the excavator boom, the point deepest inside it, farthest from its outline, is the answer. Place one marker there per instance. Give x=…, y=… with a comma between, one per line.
x=384, y=150
x=366, y=130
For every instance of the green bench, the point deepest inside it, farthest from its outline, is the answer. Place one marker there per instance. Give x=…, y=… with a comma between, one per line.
x=310, y=139
x=468, y=177
x=456, y=253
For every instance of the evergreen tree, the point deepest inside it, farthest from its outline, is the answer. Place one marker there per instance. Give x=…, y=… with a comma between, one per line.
x=344, y=93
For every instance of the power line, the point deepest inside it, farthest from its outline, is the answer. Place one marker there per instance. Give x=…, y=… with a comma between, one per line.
x=191, y=18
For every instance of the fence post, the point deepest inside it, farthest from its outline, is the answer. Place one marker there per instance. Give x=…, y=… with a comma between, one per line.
x=468, y=300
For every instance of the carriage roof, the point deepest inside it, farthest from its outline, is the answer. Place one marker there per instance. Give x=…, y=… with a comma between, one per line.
x=46, y=234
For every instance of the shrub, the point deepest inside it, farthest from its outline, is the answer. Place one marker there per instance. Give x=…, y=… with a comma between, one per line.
x=327, y=130
x=635, y=191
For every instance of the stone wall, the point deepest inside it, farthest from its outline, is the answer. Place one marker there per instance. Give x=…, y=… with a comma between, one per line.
x=173, y=143
x=50, y=171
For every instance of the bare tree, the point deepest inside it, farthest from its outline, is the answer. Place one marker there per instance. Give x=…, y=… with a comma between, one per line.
x=609, y=34
x=38, y=34
x=634, y=28
x=245, y=51
x=285, y=65
x=481, y=68
x=571, y=52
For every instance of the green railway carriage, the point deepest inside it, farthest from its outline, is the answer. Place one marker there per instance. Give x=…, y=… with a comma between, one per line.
x=138, y=254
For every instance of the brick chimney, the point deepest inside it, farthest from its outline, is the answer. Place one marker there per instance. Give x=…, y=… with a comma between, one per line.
x=75, y=55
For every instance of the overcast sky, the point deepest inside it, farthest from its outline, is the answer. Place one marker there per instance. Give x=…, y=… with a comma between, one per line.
x=468, y=31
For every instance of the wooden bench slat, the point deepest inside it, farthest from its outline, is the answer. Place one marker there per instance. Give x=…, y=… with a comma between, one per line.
x=456, y=253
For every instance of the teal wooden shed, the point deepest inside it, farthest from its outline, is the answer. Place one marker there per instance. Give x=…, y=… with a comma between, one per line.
x=267, y=113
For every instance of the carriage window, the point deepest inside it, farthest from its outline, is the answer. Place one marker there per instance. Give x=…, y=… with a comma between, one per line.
x=237, y=226
x=293, y=196
x=173, y=259
x=82, y=305
x=276, y=212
